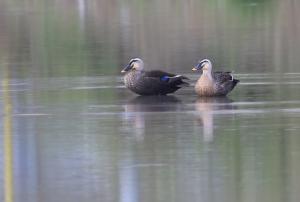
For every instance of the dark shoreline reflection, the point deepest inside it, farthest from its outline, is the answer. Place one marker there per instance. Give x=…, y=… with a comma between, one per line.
x=205, y=107
x=134, y=118
x=152, y=104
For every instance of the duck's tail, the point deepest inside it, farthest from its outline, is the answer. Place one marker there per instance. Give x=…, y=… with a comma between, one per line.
x=234, y=82
x=178, y=81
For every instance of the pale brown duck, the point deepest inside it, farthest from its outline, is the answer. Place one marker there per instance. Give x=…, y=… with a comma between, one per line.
x=213, y=83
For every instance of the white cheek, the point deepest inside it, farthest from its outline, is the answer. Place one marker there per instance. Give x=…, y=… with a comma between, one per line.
x=136, y=66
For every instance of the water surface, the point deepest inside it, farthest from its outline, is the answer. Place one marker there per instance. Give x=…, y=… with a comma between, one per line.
x=72, y=132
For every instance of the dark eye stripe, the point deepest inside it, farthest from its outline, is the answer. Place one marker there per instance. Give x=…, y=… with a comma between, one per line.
x=133, y=61
x=203, y=62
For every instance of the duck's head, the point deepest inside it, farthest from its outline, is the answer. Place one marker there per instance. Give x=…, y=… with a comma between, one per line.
x=205, y=65
x=135, y=63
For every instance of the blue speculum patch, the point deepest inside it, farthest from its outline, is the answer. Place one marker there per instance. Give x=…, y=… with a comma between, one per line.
x=165, y=78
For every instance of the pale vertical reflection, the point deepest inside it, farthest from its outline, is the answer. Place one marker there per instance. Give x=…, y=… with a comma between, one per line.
x=206, y=117
x=7, y=132
x=128, y=180
x=134, y=123
x=81, y=10
x=134, y=120
x=205, y=108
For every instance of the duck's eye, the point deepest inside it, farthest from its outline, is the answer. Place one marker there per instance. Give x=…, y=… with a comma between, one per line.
x=132, y=64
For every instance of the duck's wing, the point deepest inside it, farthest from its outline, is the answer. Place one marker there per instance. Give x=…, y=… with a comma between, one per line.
x=163, y=81
x=222, y=77
x=225, y=82
x=218, y=72
x=165, y=78
x=162, y=75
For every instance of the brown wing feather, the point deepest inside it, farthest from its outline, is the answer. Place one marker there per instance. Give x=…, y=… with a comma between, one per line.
x=157, y=74
x=222, y=77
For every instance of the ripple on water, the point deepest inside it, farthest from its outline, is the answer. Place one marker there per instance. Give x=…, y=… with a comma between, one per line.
x=102, y=82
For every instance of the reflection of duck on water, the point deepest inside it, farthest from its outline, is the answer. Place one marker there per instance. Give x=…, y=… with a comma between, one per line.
x=152, y=104
x=134, y=118
x=205, y=106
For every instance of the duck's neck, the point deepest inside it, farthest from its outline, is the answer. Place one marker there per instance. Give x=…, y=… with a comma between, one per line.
x=207, y=74
x=136, y=73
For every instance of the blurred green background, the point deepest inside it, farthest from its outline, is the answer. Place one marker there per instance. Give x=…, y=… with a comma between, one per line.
x=87, y=38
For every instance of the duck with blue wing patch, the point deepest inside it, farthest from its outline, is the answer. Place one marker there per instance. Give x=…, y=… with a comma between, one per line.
x=154, y=82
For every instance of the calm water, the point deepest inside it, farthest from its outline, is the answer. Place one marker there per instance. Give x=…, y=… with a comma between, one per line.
x=70, y=131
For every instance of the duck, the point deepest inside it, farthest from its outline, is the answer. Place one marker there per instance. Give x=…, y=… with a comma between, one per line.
x=213, y=83
x=155, y=82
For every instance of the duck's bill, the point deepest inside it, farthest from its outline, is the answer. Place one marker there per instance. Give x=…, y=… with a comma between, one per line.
x=126, y=69
x=197, y=67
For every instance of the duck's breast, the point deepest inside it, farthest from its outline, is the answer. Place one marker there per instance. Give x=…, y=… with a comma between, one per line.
x=136, y=82
x=131, y=79
x=205, y=86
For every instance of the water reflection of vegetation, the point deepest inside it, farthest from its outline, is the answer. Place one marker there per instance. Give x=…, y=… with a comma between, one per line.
x=72, y=39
